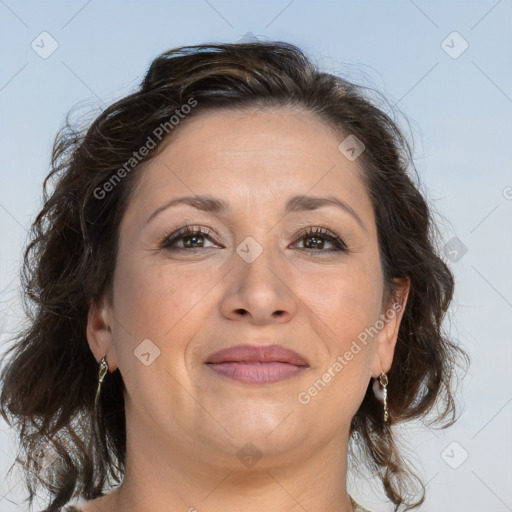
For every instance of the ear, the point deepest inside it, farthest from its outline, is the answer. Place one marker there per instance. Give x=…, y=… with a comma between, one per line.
x=387, y=337
x=99, y=333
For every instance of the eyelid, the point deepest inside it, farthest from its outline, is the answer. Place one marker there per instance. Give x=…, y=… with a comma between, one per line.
x=167, y=239
x=326, y=233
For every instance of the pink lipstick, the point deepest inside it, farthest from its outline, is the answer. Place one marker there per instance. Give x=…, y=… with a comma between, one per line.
x=262, y=364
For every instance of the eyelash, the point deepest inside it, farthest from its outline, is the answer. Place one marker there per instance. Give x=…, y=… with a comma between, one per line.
x=312, y=232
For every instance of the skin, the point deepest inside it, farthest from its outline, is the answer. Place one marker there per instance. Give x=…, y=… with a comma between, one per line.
x=185, y=423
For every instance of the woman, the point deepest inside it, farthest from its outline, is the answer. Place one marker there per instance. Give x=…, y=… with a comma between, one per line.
x=238, y=295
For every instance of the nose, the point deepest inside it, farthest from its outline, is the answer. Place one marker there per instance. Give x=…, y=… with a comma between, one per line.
x=260, y=292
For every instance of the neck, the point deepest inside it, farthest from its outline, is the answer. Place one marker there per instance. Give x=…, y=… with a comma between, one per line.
x=157, y=481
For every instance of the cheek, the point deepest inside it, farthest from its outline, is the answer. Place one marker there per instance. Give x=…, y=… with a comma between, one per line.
x=153, y=298
x=341, y=308
x=342, y=305
x=167, y=304
x=345, y=300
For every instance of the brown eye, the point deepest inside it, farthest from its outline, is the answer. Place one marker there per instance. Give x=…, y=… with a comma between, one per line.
x=192, y=237
x=315, y=239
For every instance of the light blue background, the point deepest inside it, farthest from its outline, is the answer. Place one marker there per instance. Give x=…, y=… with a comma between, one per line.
x=460, y=110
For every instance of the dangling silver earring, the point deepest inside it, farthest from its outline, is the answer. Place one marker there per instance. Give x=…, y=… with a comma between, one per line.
x=384, y=383
x=382, y=394
x=101, y=375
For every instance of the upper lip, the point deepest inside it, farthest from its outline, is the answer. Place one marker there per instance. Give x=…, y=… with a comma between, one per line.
x=257, y=353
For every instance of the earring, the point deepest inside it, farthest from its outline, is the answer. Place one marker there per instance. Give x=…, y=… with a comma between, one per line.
x=382, y=394
x=384, y=383
x=101, y=375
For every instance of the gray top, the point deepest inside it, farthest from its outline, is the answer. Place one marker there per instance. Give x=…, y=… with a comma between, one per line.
x=357, y=507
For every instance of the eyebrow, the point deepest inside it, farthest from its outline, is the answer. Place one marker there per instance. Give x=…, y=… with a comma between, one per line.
x=294, y=204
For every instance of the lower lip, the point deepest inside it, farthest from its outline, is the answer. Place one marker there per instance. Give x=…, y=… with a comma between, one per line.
x=263, y=373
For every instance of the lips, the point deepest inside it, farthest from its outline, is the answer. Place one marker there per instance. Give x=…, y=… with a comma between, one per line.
x=257, y=354
x=257, y=364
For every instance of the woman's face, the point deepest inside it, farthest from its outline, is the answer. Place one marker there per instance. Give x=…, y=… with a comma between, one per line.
x=252, y=276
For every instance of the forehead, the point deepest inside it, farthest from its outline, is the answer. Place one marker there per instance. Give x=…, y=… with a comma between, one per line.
x=256, y=156
x=280, y=133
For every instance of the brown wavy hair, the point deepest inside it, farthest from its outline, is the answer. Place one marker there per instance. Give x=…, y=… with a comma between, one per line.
x=50, y=376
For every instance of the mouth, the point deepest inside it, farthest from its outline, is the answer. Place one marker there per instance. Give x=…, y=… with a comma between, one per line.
x=257, y=364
